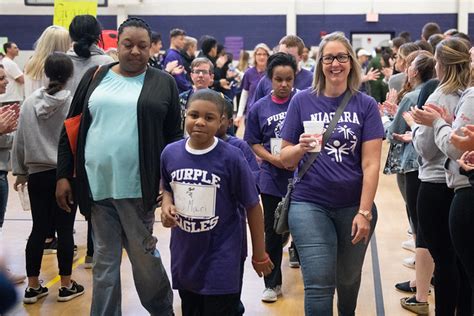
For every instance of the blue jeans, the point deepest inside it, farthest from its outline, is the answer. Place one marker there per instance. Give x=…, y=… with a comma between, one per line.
x=3, y=195
x=328, y=258
x=125, y=223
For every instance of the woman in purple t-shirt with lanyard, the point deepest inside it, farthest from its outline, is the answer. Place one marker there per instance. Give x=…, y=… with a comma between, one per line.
x=332, y=214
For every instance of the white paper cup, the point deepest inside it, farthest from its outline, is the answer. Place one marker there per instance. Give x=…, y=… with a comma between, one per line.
x=315, y=128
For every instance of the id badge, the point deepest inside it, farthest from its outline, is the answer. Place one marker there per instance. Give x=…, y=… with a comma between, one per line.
x=195, y=200
x=275, y=146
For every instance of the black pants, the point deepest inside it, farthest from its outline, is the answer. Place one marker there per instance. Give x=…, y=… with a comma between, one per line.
x=42, y=189
x=434, y=202
x=412, y=186
x=273, y=241
x=193, y=304
x=461, y=228
x=90, y=242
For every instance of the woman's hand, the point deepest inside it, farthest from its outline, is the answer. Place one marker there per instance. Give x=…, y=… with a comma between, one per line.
x=428, y=115
x=467, y=161
x=64, y=194
x=465, y=142
x=276, y=161
x=392, y=96
x=307, y=142
x=405, y=138
x=238, y=120
x=360, y=229
x=20, y=181
x=262, y=265
x=168, y=215
x=408, y=119
x=390, y=108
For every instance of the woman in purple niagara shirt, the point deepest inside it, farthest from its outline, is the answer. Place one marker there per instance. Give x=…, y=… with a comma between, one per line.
x=332, y=214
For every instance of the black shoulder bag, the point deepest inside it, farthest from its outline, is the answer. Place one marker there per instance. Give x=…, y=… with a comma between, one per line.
x=280, y=225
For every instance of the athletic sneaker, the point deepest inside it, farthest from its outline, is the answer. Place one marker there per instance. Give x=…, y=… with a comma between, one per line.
x=294, y=261
x=51, y=247
x=409, y=262
x=67, y=294
x=270, y=295
x=88, y=262
x=409, y=245
x=32, y=295
x=411, y=304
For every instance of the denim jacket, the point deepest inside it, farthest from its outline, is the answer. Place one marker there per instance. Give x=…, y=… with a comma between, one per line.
x=407, y=157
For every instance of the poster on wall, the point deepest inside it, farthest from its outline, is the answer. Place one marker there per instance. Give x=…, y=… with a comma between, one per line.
x=3, y=40
x=66, y=10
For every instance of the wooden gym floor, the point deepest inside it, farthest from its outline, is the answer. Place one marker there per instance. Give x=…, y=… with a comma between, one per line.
x=382, y=269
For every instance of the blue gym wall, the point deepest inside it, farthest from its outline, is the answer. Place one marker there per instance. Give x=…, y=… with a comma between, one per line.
x=253, y=28
x=309, y=26
x=25, y=29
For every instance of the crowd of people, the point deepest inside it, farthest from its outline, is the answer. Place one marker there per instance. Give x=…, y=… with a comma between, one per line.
x=118, y=135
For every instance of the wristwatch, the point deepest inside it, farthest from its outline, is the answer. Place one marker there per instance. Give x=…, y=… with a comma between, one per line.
x=366, y=214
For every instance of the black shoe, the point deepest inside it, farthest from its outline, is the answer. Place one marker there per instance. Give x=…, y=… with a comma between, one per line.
x=405, y=287
x=50, y=247
x=66, y=294
x=32, y=295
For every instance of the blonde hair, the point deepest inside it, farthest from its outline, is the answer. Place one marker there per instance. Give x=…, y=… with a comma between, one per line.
x=454, y=57
x=260, y=46
x=355, y=74
x=53, y=39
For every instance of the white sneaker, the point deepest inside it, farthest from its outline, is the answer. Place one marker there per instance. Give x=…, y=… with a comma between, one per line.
x=409, y=245
x=409, y=262
x=270, y=295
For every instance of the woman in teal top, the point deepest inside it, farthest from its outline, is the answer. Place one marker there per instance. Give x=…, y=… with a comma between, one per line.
x=129, y=113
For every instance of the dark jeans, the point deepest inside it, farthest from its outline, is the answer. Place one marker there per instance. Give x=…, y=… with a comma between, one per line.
x=434, y=202
x=42, y=192
x=8, y=295
x=328, y=258
x=193, y=304
x=3, y=195
x=461, y=227
x=273, y=241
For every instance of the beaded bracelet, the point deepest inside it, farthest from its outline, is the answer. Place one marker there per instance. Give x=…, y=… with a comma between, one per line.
x=266, y=260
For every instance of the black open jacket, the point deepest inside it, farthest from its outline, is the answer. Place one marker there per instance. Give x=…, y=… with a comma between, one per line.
x=159, y=123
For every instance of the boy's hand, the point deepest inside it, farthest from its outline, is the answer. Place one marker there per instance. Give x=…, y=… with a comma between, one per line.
x=263, y=266
x=168, y=215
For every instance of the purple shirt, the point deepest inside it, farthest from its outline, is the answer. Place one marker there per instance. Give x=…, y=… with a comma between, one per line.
x=248, y=154
x=250, y=82
x=335, y=178
x=206, y=252
x=181, y=81
x=264, y=122
x=303, y=80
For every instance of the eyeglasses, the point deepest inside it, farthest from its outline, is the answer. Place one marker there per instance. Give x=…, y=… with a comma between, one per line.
x=200, y=72
x=342, y=58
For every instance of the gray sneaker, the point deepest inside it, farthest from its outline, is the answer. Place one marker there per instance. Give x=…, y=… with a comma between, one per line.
x=270, y=295
x=294, y=261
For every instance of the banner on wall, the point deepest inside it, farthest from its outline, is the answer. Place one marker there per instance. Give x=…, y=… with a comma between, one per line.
x=66, y=10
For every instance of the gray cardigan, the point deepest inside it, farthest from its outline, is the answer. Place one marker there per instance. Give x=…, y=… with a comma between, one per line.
x=431, y=158
x=464, y=114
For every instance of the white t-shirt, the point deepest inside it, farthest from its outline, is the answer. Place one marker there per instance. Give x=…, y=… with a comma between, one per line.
x=14, y=91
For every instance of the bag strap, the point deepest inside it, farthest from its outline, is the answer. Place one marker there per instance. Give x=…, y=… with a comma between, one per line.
x=326, y=136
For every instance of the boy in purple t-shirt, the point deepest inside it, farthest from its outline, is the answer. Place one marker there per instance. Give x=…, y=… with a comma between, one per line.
x=205, y=181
